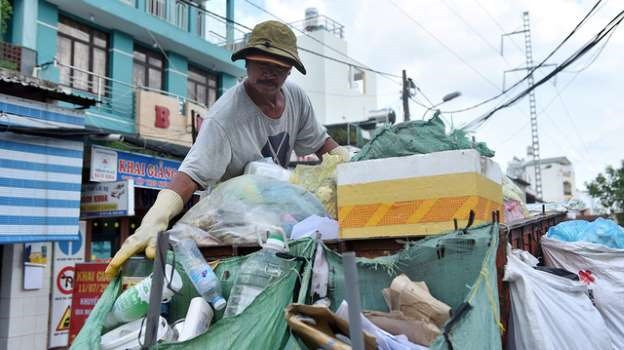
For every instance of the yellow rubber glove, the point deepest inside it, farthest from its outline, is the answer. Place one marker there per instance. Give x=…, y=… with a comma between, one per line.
x=341, y=152
x=167, y=205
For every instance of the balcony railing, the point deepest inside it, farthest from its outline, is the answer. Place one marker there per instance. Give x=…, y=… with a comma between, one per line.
x=17, y=58
x=190, y=17
x=320, y=22
x=116, y=98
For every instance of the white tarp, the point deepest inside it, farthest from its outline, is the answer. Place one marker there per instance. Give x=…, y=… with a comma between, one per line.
x=550, y=312
x=602, y=268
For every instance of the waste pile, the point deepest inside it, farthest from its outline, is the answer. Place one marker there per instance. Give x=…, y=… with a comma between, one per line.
x=418, y=137
x=515, y=206
x=595, y=252
x=244, y=208
x=576, y=290
x=438, y=292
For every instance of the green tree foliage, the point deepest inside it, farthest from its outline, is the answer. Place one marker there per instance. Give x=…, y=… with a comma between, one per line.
x=609, y=188
x=5, y=15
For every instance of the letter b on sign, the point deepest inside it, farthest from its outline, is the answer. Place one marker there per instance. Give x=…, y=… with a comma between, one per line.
x=162, y=117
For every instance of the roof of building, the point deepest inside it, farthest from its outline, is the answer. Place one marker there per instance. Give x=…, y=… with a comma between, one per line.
x=519, y=181
x=557, y=160
x=15, y=84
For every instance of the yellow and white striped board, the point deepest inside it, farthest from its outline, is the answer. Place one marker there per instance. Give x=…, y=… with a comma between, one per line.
x=416, y=195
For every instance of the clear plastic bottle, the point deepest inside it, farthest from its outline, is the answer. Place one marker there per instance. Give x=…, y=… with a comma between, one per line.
x=257, y=272
x=199, y=272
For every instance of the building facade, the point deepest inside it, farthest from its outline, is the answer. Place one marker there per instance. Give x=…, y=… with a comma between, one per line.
x=154, y=67
x=558, y=181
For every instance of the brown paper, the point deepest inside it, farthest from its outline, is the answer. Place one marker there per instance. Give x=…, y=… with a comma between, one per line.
x=321, y=334
x=417, y=331
x=414, y=301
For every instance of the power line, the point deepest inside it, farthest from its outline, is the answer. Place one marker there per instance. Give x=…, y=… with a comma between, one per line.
x=531, y=69
x=497, y=23
x=473, y=30
x=604, y=32
x=356, y=65
x=455, y=54
x=594, y=58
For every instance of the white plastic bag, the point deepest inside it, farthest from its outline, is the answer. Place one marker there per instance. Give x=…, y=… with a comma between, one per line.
x=549, y=312
x=385, y=340
x=239, y=210
x=602, y=269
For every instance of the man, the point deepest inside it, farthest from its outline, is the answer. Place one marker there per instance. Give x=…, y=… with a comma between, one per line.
x=262, y=117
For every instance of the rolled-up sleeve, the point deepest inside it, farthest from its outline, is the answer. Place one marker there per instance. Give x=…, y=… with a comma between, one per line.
x=210, y=156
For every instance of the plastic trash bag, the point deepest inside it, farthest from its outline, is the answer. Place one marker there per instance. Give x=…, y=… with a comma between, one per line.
x=243, y=209
x=602, y=270
x=600, y=231
x=549, y=312
x=515, y=208
x=320, y=180
x=417, y=137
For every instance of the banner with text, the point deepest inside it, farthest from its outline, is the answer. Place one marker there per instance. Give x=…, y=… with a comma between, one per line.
x=107, y=199
x=89, y=283
x=146, y=171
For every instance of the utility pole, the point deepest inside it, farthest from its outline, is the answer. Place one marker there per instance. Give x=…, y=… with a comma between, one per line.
x=405, y=97
x=528, y=51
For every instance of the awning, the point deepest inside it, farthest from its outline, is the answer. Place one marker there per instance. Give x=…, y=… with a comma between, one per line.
x=40, y=179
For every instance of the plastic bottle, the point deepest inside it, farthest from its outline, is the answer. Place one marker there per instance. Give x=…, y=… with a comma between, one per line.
x=133, y=303
x=201, y=275
x=257, y=273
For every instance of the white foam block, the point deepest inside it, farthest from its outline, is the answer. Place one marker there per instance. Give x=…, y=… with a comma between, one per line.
x=420, y=165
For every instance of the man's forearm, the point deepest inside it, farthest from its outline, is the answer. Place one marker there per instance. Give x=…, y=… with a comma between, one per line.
x=183, y=185
x=329, y=145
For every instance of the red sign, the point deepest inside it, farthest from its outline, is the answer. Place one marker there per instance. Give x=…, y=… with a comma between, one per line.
x=65, y=280
x=89, y=283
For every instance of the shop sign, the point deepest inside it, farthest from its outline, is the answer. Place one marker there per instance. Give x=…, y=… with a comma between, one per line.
x=89, y=284
x=66, y=255
x=161, y=117
x=103, y=165
x=146, y=171
x=107, y=199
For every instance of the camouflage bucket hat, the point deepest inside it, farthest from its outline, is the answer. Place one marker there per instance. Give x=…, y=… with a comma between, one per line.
x=273, y=38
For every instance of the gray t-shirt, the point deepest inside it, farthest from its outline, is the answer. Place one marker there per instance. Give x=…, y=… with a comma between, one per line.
x=235, y=132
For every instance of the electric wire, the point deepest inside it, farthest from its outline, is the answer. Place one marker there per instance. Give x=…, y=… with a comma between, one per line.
x=604, y=32
x=531, y=69
x=497, y=24
x=449, y=49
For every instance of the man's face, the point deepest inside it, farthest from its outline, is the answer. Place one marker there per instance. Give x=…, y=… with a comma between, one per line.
x=266, y=77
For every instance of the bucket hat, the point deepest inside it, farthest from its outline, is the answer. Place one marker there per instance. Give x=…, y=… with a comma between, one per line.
x=275, y=39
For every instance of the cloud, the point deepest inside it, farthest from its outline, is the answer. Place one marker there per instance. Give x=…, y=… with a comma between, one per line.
x=383, y=37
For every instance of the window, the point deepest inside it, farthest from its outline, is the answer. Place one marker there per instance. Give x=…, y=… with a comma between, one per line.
x=200, y=22
x=148, y=68
x=181, y=15
x=82, y=54
x=357, y=79
x=201, y=86
x=157, y=8
x=567, y=188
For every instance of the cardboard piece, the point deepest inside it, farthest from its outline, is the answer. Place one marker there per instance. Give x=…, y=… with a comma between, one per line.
x=414, y=301
x=396, y=323
x=318, y=327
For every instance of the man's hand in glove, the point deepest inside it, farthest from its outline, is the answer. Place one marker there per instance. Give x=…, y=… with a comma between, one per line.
x=341, y=152
x=168, y=204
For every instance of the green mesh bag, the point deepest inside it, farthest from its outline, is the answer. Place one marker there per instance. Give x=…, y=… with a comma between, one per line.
x=417, y=137
x=459, y=269
x=261, y=326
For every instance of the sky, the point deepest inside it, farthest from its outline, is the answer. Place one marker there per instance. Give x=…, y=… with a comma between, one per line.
x=454, y=45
